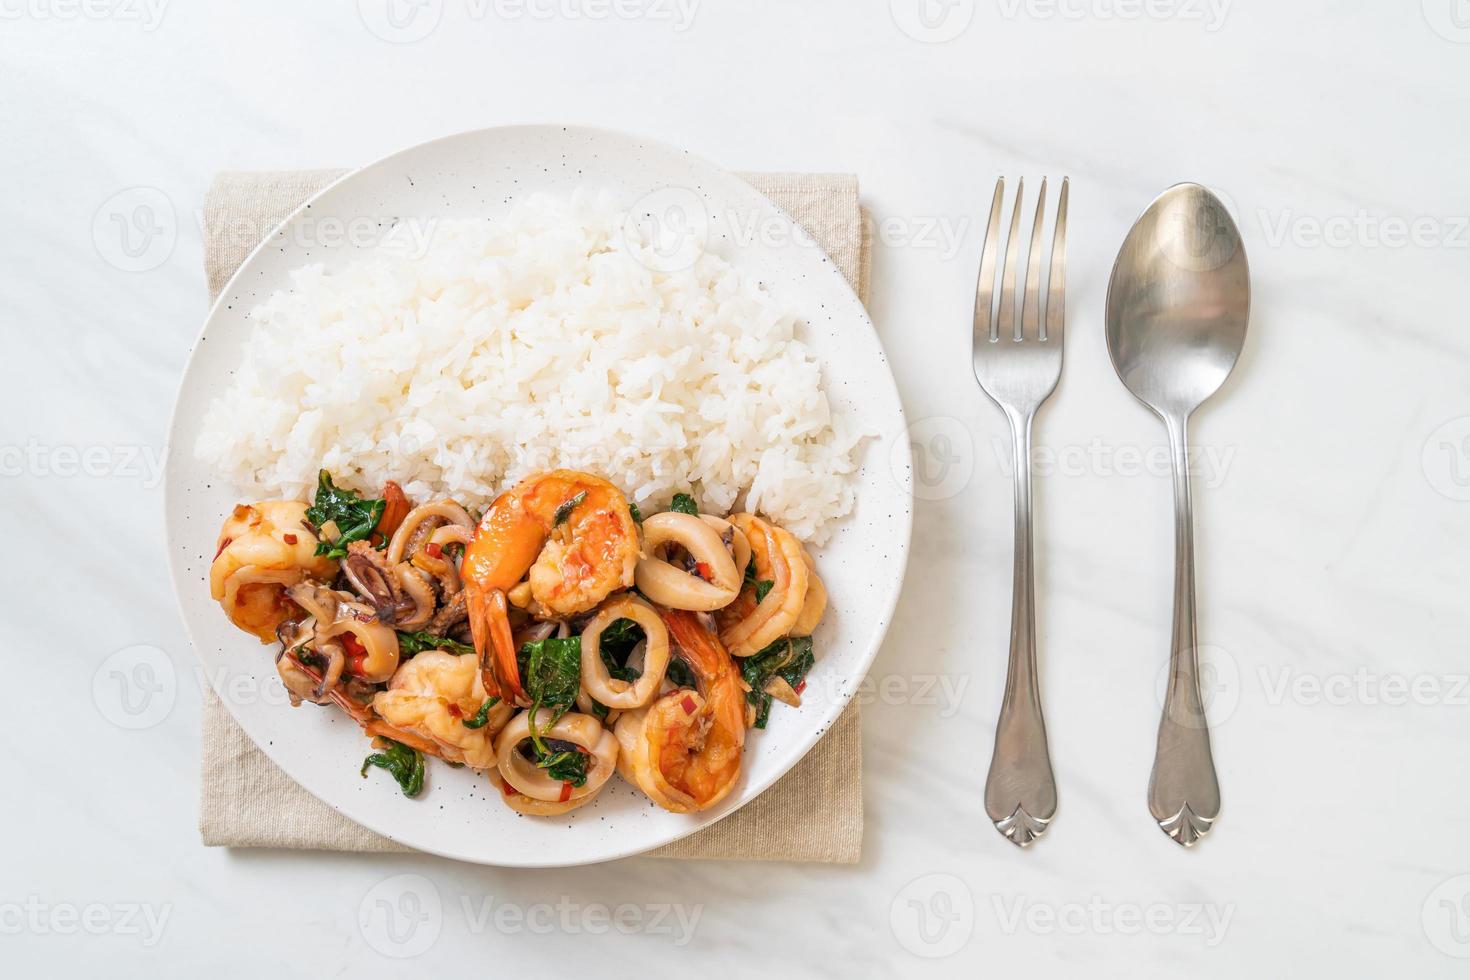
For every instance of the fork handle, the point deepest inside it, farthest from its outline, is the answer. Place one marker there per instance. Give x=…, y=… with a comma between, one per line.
x=1183, y=792
x=1020, y=791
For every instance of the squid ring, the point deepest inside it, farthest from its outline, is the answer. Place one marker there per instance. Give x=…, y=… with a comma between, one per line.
x=676, y=589
x=532, y=807
x=379, y=643
x=596, y=680
x=446, y=510
x=738, y=541
x=581, y=730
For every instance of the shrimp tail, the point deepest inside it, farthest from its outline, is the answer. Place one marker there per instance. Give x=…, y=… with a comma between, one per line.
x=378, y=728
x=696, y=645
x=490, y=627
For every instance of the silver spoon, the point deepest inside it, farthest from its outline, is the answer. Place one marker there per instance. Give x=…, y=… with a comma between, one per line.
x=1178, y=303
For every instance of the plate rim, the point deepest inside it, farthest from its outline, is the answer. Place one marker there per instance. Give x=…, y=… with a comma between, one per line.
x=820, y=726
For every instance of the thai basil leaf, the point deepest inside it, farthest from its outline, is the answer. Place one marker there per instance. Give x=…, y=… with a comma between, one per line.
x=618, y=640
x=552, y=675
x=762, y=586
x=482, y=717
x=355, y=517
x=567, y=765
x=412, y=643
x=308, y=657
x=679, y=673
x=684, y=504
x=565, y=508
x=790, y=659
x=405, y=764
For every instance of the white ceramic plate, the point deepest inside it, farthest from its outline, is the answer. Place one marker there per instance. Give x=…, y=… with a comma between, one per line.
x=480, y=174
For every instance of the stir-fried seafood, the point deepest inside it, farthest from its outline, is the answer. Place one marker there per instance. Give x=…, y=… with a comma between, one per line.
x=517, y=643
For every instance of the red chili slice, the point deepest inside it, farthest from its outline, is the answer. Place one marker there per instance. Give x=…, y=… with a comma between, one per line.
x=688, y=704
x=801, y=687
x=356, y=653
x=455, y=710
x=705, y=572
x=289, y=538
x=435, y=550
x=223, y=545
x=507, y=788
x=566, y=793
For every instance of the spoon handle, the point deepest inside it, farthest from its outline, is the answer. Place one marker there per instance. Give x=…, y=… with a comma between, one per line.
x=1020, y=792
x=1183, y=793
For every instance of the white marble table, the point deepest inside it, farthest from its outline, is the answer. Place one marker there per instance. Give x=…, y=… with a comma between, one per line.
x=1333, y=492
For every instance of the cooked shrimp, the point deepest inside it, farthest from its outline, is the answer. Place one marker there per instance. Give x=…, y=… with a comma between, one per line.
x=574, y=535
x=748, y=625
x=263, y=549
x=583, y=731
x=596, y=680
x=684, y=750
x=432, y=696
x=716, y=581
x=815, y=604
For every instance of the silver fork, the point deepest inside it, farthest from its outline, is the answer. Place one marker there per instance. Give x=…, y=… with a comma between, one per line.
x=1018, y=368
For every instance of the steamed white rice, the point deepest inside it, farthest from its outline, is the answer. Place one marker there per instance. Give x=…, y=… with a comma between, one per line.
x=507, y=347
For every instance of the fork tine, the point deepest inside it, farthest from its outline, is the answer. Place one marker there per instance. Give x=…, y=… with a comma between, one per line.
x=1056, y=273
x=1007, y=287
x=985, y=285
x=1031, y=302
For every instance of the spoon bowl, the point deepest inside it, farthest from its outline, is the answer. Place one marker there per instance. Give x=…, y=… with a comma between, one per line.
x=1178, y=301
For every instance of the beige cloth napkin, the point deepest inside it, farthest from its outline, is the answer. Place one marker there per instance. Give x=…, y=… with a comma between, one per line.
x=813, y=813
